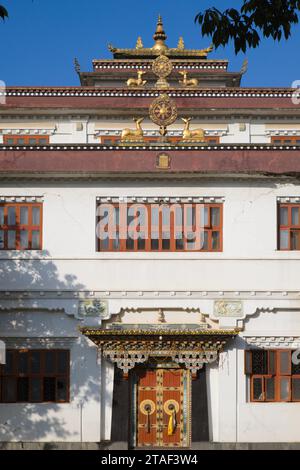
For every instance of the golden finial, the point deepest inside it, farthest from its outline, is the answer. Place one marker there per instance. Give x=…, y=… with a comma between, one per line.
x=139, y=43
x=180, y=45
x=206, y=51
x=160, y=37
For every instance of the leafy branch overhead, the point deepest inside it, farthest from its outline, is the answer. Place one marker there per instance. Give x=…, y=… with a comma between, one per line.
x=3, y=12
x=248, y=24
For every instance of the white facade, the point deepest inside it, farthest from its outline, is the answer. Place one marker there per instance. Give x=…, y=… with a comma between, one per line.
x=41, y=291
x=81, y=129
x=220, y=304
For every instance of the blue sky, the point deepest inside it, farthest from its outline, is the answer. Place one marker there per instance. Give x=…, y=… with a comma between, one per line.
x=41, y=38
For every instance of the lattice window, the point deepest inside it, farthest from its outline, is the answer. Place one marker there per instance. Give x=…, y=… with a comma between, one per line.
x=274, y=377
x=25, y=140
x=160, y=227
x=289, y=227
x=35, y=376
x=20, y=226
x=286, y=140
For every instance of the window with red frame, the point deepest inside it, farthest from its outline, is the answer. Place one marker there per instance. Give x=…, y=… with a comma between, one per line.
x=160, y=227
x=20, y=226
x=286, y=140
x=35, y=376
x=274, y=377
x=25, y=140
x=289, y=227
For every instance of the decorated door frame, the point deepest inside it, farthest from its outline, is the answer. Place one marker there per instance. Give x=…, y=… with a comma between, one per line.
x=160, y=407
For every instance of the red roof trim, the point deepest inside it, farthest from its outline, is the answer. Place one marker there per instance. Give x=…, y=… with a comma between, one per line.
x=135, y=162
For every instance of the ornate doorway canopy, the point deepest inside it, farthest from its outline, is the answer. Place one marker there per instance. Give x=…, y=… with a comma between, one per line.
x=190, y=348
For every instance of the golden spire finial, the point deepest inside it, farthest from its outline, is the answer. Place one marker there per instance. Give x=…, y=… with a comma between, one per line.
x=160, y=37
x=139, y=43
x=180, y=45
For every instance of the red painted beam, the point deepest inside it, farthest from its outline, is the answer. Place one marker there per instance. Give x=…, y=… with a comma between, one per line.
x=264, y=101
x=86, y=102
x=138, y=161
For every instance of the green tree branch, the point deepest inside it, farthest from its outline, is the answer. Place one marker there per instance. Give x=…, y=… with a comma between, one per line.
x=248, y=24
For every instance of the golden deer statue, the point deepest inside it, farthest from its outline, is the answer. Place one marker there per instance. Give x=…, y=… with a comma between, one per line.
x=197, y=135
x=137, y=82
x=193, y=82
x=131, y=135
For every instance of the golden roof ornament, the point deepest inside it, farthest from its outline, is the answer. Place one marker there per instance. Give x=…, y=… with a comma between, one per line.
x=137, y=82
x=207, y=50
x=133, y=135
x=180, y=45
x=139, y=43
x=160, y=37
x=187, y=82
x=160, y=47
x=188, y=135
x=163, y=112
x=162, y=67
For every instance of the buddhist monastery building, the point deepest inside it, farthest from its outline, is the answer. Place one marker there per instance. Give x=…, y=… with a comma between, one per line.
x=150, y=250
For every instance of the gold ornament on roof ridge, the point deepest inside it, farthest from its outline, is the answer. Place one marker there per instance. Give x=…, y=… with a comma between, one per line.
x=137, y=82
x=197, y=135
x=160, y=47
x=180, y=45
x=162, y=67
x=139, y=43
x=133, y=135
x=188, y=82
x=163, y=112
x=160, y=37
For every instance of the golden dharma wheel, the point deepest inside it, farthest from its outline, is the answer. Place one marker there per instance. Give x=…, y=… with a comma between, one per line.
x=162, y=66
x=163, y=111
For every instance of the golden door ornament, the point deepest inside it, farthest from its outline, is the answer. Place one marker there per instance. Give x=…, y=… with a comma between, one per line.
x=147, y=408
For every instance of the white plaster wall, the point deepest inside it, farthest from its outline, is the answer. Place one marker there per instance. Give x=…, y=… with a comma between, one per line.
x=249, y=261
x=239, y=420
x=79, y=420
x=238, y=133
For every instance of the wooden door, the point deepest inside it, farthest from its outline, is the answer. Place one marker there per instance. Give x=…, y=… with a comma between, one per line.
x=162, y=398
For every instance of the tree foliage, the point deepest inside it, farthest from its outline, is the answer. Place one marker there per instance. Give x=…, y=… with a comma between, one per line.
x=3, y=12
x=246, y=25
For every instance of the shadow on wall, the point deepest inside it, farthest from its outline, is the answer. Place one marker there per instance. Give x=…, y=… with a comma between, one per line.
x=26, y=421
x=19, y=270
